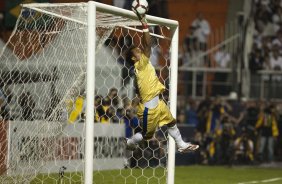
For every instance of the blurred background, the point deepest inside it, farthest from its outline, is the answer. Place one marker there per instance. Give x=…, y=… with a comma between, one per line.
x=229, y=77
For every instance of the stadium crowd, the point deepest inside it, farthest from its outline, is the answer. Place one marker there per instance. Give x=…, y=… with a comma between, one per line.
x=231, y=131
x=267, y=44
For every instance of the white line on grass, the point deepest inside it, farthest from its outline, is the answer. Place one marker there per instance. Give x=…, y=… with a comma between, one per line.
x=262, y=181
x=270, y=180
x=249, y=182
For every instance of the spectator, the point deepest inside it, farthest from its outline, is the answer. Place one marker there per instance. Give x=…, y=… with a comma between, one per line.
x=244, y=149
x=203, y=113
x=222, y=59
x=263, y=18
x=181, y=111
x=266, y=47
x=277, y=41
x=107, y=109
x=279, y=139
x=201, y=155
x=268, y=131
x=213, y=115
x=192, y=55
x=191, y=49
x=251, y=118
x=106, y=104
x=226, y=134
x=277, y=20
x=181, y=118
x=113, y=96
x=111, y=115
x=126, y=102
x=256, y=61
x=275, y=62
x=190, y=39
x=79, y=105
x=275, y=59
x=202, y=30
x=236, y=109
x=191, y=113
x=99, y=111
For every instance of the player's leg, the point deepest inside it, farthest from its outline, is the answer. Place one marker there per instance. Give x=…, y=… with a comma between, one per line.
x=182, y=146
x=166, y=118
x=148, y=119
x=132, y=142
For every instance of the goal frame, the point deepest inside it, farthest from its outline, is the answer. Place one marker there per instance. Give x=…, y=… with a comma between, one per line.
x=173, y=26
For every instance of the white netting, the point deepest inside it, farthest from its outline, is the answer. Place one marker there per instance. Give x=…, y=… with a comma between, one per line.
x=43, y=81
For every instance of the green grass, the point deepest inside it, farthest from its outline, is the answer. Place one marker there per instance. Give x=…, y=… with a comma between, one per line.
x=224, y=175
x=183, y=175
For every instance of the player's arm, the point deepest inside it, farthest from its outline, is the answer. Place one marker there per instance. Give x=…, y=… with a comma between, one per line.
x=146, y=41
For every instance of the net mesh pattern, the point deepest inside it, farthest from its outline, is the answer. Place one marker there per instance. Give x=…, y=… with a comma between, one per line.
x=43, y=98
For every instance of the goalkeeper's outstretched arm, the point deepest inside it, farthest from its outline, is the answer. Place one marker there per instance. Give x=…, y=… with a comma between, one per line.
x=146, y=40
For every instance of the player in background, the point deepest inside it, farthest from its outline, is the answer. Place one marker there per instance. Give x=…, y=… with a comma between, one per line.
x=151, y=111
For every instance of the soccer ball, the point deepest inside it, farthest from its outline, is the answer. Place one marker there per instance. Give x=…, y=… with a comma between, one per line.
x=140, y=6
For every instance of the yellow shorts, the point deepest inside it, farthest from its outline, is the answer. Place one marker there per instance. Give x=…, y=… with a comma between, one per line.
x=151, y=119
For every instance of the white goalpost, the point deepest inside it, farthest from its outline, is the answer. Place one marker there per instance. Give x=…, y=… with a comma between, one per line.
x=89, y=144
x=67, y=96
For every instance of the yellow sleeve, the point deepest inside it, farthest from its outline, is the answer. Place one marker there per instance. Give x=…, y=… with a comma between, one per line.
x=208, y=122
x=77, y=110
x=212, y=149
x=259, y=121
x=222, y=110
x=142, y=63
x=275, y=130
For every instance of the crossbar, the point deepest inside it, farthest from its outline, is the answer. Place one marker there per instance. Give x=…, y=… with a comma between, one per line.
x=109, y=9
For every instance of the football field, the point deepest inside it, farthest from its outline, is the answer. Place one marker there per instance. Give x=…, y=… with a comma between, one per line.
x=183, y=175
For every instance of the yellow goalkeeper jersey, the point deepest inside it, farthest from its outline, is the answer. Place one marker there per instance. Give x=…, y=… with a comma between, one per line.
x=148, y=83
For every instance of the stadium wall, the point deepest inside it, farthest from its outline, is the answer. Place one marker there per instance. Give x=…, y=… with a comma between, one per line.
x=69, y=151
x=185, y=12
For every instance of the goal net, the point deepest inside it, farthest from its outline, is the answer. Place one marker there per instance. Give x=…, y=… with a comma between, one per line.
x=43, y=84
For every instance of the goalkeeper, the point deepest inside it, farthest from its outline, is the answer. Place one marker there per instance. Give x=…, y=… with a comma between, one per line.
x=151, y=111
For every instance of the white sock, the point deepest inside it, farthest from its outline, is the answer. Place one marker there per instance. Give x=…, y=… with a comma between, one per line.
x=175, y=133
x=135, y=139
